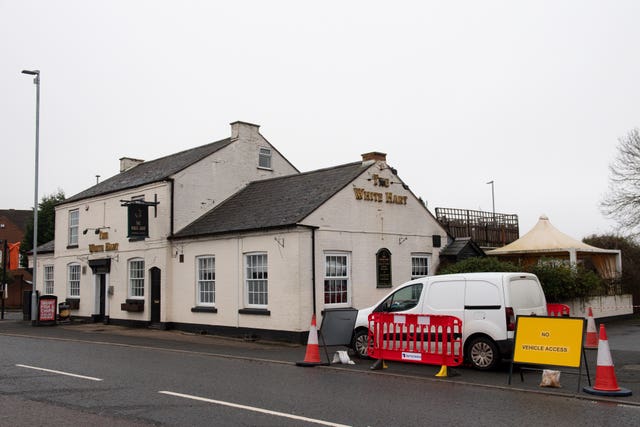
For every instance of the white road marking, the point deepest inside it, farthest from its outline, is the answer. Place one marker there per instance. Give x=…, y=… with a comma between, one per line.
x=60, y=372
x=254, y=409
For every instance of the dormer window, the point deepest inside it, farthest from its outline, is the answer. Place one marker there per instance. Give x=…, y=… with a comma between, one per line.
x=264, y=158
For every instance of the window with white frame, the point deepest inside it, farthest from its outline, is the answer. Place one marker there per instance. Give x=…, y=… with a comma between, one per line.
x=264, y=158
x=74, y=218
x=206, y=280
x=420, y=264
x=136, y=278
x=48, y=279
x=256, y=280
x=73, y=280
x=336, y=278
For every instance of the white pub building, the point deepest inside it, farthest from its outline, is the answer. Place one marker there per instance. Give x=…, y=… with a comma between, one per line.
x=230, y=238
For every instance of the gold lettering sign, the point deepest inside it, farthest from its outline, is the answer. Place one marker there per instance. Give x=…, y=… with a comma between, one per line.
x=372, y=196
x=96, y=248
x=111, y=247
x=378, y=180
x=102, y=248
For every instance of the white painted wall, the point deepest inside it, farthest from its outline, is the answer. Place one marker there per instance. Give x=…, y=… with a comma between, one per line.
x=289, y=281
x=346, y=224
x=362, y=227
x=206, y=184
x=603, y=306
x=359, y=227
x=106, y=211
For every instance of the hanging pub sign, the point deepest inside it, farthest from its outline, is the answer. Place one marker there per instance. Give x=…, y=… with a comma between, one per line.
x=383, y=268
x=138, y=215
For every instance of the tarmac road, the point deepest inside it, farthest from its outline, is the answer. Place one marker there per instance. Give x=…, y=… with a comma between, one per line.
x=623, y=337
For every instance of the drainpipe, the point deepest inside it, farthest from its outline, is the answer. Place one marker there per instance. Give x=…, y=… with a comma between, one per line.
x=313, y=263
x=171, y=183
x=313, y=267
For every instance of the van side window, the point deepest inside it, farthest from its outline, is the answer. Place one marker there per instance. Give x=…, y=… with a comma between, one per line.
x=526, y=293
x=402, y=299
x=446, y=295
x=481, y=294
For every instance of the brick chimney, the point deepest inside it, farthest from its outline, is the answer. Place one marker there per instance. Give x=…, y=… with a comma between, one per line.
x=374, y=155
x=127, y=163
x=243, y=130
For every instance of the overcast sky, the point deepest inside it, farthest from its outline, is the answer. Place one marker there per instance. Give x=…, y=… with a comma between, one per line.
x=532, y=95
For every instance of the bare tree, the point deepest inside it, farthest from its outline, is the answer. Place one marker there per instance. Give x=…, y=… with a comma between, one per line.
x=622, y=203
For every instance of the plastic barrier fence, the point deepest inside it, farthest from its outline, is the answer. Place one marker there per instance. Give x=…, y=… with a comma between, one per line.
x=417, y=338
x=558, y=310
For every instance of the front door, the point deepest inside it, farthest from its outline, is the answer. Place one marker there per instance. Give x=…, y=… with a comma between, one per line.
x=101, y=281
x=155, y=295
x=100, y=268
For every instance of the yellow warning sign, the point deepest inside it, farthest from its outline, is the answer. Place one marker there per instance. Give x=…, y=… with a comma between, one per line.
x=549, y=340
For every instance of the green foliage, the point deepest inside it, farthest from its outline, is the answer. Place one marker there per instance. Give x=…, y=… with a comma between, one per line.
x=478, y=264
x=560, y=282
x=46, y=223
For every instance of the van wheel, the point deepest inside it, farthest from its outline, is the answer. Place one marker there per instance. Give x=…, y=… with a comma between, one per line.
x=360, y=343
x=483, y=353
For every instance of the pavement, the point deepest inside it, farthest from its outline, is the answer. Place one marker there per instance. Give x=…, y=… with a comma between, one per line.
x=623, y=338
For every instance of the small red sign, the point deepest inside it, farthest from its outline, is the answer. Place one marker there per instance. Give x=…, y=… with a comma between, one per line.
x=47, y=310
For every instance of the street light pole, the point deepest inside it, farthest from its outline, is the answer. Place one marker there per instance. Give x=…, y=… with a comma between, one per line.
x=493, y=200
x=34, y=297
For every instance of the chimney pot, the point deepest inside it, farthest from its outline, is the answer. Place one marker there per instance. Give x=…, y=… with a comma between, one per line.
x=374, y=155
x=243, y=130
x=127, y=163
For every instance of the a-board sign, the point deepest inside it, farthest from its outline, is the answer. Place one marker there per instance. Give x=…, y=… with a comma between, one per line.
x=337, y=325
x=548, y=340
x=47, y=309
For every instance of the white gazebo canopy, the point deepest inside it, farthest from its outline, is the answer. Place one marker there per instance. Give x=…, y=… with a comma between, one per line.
x=544, y=240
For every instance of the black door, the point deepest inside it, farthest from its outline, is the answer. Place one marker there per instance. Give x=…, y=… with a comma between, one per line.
x=103, y=294
x=102, y=289
x=155, y=295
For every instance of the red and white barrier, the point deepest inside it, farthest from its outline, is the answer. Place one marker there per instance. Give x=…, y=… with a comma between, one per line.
x=558, y=310
x=416, y=338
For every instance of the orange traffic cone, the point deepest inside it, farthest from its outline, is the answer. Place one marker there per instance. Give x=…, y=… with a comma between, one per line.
x=606, y=382
x=591, y=341
x=312, y=356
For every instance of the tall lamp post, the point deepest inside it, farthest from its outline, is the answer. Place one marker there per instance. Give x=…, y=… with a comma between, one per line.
x=34, y=297
x=493, y=200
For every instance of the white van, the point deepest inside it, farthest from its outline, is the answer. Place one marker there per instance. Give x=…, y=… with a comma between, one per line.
x=487, y=304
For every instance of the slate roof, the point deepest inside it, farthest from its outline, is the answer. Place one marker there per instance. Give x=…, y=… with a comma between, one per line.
x=19, y=217
x=276, y=202
x=48, y=247
x=460, y=244
x=151, y=171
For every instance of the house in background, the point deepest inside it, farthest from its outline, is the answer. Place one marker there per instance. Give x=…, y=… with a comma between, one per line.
x=13, y=226
x=230, y=237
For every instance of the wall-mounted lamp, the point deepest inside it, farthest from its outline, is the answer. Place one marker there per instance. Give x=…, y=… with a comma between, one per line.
x=96, y=230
